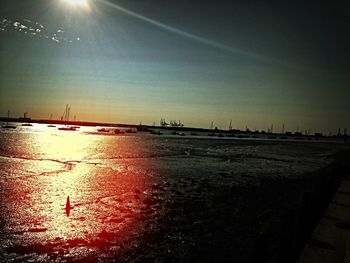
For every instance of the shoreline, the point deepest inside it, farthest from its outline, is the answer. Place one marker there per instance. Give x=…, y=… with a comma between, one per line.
x=203, y=200
x=211, y=132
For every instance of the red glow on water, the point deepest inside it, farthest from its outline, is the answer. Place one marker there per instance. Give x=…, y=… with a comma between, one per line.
x=106, y=189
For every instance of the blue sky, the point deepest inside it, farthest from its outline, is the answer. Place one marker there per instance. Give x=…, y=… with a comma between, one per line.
x=291, y=66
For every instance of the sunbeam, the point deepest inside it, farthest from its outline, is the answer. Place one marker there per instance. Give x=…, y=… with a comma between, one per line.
x=195, y=37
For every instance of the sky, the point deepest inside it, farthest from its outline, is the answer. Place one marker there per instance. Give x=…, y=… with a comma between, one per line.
x=257, y=64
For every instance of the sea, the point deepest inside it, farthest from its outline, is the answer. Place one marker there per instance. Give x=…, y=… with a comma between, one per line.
x=141, y=197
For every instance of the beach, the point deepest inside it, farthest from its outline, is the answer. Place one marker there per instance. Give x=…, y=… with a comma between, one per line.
x=147, y=198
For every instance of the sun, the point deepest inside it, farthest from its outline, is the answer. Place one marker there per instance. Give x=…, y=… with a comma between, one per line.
x=78, y=4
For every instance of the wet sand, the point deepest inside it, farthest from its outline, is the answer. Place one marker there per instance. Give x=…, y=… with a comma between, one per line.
x=149, y=199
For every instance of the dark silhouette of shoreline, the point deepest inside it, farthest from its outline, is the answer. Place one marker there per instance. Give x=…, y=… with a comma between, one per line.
x=215, y=132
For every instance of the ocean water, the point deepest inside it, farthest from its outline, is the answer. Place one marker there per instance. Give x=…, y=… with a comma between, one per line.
x=141, y=197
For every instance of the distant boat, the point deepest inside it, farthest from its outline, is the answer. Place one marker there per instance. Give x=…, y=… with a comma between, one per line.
x=103, y=130
x=27, y=124
x=131, y=131
x=66, y=118
x=75, y=126
x=7, y=126
x=51, y=125
x=68, y=128
x=117, y=131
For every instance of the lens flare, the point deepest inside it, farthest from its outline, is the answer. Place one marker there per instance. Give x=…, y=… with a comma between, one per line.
x=78, y=4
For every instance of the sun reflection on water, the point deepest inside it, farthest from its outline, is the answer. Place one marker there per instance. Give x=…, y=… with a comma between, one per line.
x=109, y=194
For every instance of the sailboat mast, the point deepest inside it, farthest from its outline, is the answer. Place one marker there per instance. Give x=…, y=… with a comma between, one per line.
x=65, y=115
x=68, y=115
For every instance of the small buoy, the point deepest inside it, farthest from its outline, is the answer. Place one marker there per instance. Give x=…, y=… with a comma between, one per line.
x=67, y=206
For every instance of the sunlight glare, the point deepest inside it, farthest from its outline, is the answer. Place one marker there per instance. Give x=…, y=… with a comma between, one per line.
x=80, y=4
